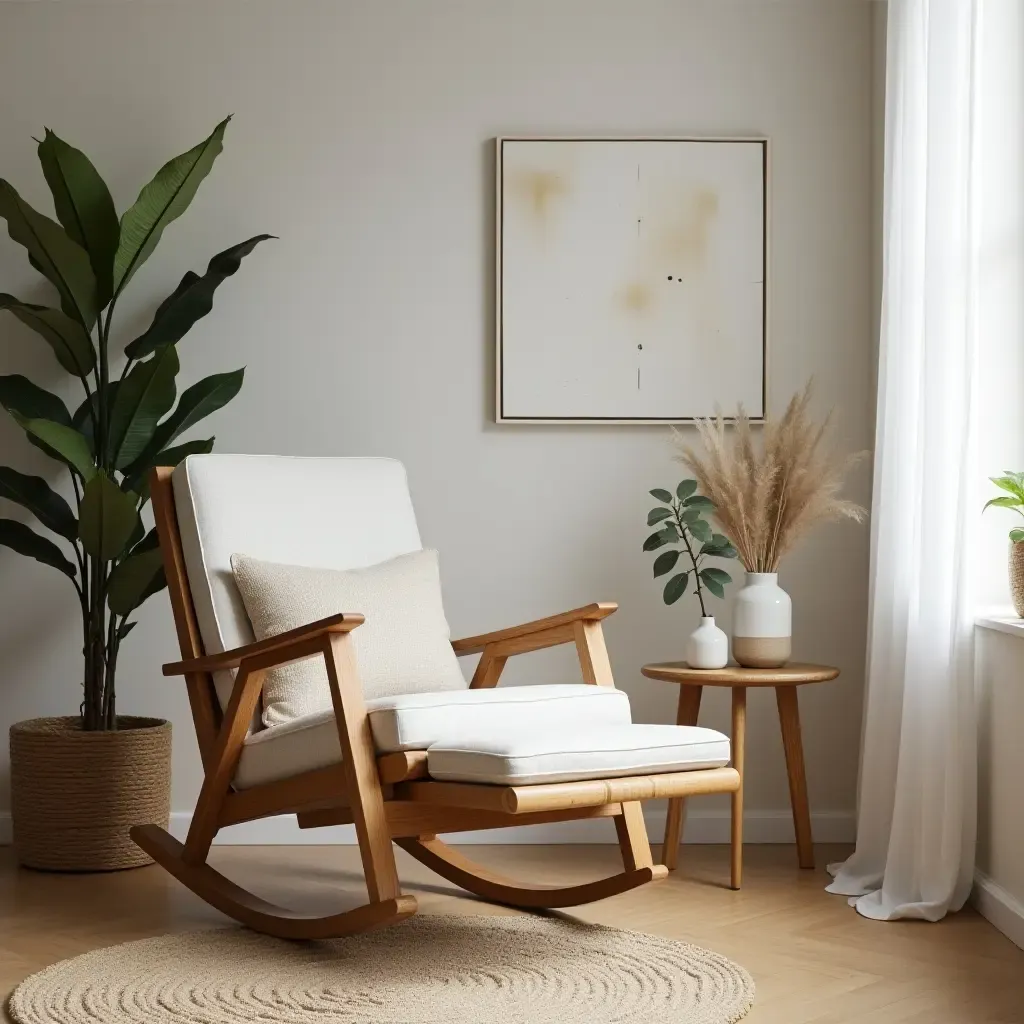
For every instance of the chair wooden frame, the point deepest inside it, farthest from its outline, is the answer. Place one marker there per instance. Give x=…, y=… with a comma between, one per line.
x=389, y=799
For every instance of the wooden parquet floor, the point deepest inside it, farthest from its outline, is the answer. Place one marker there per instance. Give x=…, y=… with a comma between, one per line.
x=815, y=961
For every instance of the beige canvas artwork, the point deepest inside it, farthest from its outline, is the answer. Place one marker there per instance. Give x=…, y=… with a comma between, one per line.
x=631, y=278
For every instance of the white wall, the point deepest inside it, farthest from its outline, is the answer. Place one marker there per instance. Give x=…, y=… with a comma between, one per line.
x=362, y=137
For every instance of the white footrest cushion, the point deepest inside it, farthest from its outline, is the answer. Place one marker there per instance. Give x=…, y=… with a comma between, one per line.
x=525, y=757
x=415, y=721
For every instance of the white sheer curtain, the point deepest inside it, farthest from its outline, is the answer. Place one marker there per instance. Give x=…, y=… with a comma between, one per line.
x=917, y=798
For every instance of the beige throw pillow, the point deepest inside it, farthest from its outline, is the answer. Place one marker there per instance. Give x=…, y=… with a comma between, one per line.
x=402, y=647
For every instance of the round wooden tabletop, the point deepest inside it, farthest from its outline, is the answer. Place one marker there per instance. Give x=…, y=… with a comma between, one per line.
x=793, y=674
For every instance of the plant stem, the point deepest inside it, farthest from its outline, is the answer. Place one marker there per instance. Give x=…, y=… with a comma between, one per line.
x=685, y=533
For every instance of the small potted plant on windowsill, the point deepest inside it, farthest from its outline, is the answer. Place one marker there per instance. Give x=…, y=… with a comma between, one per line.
x=682, y=523
x=79, y=783
x=1013, y=484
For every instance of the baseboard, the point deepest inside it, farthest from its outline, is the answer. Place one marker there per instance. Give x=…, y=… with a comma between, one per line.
x=701, y=827
x=999, y=907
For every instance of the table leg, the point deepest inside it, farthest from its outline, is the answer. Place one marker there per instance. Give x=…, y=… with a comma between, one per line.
x=686, y=714
x=789, y=719
x=739, y=740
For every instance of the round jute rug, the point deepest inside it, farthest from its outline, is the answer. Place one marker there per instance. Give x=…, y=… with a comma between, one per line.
x=426, y=970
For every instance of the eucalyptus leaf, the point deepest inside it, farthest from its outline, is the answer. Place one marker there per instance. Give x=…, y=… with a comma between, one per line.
x=69, y=340
x=662, y=495
x=190, y=301
x=35, y=494
x=60, y=259
x=130, y=579
x=700, y=530
x=107, y=518
x=144, y=396
x=162, y=201
x=23, y=539
x=714, y=586
x=656, y=515
x=685, y=489
x=84, y=207
x=665, y=562
x=699, y=501
x=67, y=442
x=654, y=541
x=719, y=575
x=675, y=588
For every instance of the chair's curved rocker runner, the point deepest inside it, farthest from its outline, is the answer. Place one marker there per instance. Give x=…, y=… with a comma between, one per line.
x=388, y=798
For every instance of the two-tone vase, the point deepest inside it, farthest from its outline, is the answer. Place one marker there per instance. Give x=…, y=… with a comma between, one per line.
x=762, y=635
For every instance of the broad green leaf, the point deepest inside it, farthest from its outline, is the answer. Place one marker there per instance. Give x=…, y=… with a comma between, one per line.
x=62, y=261
x=19, y=395
x=35, y=494
x=163, y=200
x=719, y=575
x=718, y=547
x=1004, y=503
x=675, y=588
x=137, y=475
x=83, y=205
x=21, y=538
x=68, y=338
x=700, y=530
x=131, y=578
x=690, y=515
x=67, y=442
x=144, y=396
x=685, y=489
x=656, y=515
x=86, y=416
x=1017, y=535
x=1009, y=483
x=699, y=501
x=714, y=586
x=665, y=562
x=654, y=541
x=190, y=301
x=196, y=403
x=107, y=518
x=662, y=495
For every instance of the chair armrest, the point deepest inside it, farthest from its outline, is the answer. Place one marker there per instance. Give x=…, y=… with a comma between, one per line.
x=341, y=623
x=589, y=613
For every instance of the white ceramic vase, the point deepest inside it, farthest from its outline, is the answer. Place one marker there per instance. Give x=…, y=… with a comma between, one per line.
x=708, y=646
x=763, y=623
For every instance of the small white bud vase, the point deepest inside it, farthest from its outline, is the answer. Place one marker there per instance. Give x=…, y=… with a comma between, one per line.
x=763, y=623
x=708, y=646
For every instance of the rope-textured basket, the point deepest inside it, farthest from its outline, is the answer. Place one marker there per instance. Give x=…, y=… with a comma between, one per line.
x=1017, y=576
x=75, y=794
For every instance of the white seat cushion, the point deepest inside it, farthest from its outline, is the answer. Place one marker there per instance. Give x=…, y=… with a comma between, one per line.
x=415, y=721
x=403, y=647
x=527, y=756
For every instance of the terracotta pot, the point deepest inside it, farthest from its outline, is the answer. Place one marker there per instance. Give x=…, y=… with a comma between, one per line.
x=75, y=794
x=1017, y=576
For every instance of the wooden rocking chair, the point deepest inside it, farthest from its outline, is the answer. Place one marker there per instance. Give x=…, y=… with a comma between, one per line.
x=389, y=797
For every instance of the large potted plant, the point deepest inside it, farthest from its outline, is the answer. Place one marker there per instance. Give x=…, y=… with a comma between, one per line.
x=79, y=783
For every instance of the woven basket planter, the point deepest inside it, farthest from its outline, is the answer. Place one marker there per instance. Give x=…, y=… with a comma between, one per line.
x=76, y=794
x=1017, y=576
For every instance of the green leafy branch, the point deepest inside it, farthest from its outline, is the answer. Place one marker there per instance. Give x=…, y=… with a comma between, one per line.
x=124, y=426
x=682, y=522
x=1013, y=484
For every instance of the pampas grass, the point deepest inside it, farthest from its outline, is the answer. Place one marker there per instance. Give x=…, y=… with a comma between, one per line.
x=768, y=493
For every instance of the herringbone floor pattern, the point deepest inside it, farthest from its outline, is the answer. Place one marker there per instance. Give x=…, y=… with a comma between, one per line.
x=815, y=961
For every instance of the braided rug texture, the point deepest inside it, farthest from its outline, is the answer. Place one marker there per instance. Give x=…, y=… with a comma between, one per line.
x=426, y=970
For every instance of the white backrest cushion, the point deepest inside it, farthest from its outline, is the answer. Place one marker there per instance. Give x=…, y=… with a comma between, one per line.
x=404, y=646
x=328, y=513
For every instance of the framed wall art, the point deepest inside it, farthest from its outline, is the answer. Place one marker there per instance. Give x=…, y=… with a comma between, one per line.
x=631, y=278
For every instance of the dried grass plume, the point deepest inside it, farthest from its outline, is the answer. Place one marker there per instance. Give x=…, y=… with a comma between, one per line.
x=769, y=492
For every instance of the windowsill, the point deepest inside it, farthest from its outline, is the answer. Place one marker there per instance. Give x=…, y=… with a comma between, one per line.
x=1002, y=620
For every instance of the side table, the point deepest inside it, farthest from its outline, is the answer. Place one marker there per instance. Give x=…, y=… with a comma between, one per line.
x=691, y=682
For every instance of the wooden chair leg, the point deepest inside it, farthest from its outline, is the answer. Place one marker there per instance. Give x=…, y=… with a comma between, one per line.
x=633, y=843
x=739, y=742
x=360, y=766
x=789, y=719
x=687, y=713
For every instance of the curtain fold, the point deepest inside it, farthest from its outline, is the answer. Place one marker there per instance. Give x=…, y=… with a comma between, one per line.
x=917, y=796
